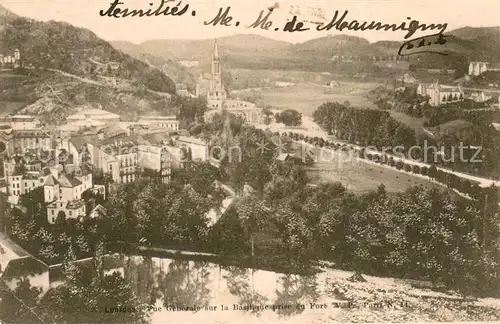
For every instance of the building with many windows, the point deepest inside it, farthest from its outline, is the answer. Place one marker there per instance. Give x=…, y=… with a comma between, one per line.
x=478, y=68
x=155, y=158
x=440, y=94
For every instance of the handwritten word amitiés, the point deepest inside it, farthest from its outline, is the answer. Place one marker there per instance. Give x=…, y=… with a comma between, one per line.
x=411, y=27
x=161, y=10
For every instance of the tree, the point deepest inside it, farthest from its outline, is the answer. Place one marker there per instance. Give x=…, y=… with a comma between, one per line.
x=20, y=304
x=289, y=117
x=432, y=172
x=253, y=215
x=61, y=217
x=268, y=115
x=191, y=110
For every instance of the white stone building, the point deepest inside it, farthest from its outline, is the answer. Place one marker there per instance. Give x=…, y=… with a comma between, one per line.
x=440, y=94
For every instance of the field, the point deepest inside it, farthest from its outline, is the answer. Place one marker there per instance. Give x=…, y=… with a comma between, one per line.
x=361, y=177
x=307, y=97
x=417, y=124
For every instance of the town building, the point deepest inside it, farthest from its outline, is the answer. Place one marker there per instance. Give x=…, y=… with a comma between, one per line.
x=189, y=64
x=196, y=149
x=479, y=96
x=92, y=114
x=170, y=122
x=478, y=68
x=99, y=212
x=124, y=160
x=178, y=157
x=17, y=264
x=118, y=160
x=82, y=125
x=63, y=192
x=440, y=94
x=181, y=90
x=155, y=158
x=18, y=141
x=11, y=61
x=246, y=110
x=20, y=122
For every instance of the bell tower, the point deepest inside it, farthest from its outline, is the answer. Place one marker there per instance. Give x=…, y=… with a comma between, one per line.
x=216, y=91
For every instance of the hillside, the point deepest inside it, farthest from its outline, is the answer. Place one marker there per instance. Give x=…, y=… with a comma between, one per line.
x=67, y=67
x=78, y=51
x=328, y=46
x=53, y=96
x=170, y=67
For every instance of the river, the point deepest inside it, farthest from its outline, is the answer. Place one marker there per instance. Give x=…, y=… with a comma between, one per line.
x=219, y=294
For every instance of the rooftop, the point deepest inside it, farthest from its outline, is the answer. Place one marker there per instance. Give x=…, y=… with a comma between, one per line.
x=50, y=181
x=75, y=204
x=68, y=181
x=24, y=266
x=31, y=176
x=13, y=200
x=191, y=140
x=30, y=133
x=9, y=249
x=100, y=210
x=93, y=113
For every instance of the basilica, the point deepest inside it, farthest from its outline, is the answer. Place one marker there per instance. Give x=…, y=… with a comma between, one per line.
x=210, y=85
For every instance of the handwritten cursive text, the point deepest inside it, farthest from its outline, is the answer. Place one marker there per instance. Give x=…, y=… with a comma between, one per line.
x=411, y=27
x=115, y=11
x=425, y=44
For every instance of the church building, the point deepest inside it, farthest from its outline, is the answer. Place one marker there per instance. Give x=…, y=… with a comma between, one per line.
x=217, y=98
x=440, y=94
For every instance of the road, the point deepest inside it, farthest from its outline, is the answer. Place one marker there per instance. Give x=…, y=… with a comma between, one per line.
x=482, y=182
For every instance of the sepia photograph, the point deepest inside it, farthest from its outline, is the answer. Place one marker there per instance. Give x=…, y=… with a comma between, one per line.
x=196, y=161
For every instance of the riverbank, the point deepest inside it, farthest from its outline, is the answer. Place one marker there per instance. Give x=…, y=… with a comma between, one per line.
x=244, y=260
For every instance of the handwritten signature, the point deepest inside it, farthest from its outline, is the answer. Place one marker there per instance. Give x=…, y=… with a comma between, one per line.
x=424, y=44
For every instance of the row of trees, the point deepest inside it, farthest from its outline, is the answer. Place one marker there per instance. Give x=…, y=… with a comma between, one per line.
x=377, y=128
x=420, y=233
x=364, y=126
x=449, y=179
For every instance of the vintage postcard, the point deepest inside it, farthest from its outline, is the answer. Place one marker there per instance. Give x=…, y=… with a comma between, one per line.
x=215, y=161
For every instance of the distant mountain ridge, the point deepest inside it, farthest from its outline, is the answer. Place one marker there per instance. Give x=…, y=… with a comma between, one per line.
x=243, y=50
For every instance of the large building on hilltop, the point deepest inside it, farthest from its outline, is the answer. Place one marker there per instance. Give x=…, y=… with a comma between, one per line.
x=210, y=85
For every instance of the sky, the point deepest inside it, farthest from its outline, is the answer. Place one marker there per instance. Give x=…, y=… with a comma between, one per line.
x=85, y=13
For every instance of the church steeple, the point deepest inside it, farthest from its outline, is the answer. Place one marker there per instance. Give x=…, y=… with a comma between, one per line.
x=215, y=55
x=216, y=90
x=216, y=68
